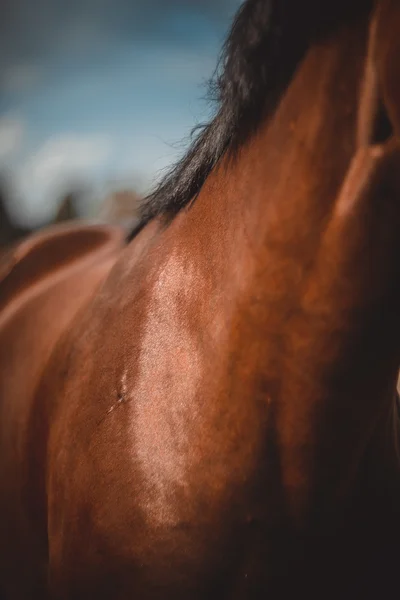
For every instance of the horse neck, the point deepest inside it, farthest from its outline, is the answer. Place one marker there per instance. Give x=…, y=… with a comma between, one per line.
x=298, y=242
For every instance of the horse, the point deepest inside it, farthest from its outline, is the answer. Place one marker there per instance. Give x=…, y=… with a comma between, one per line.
x=207, y=409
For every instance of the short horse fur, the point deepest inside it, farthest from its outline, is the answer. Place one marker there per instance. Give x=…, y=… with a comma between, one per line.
x=209, y=410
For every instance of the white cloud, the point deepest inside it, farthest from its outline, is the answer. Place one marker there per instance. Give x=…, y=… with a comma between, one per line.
x=11, y=136
x=67, y=155
x=65, y=159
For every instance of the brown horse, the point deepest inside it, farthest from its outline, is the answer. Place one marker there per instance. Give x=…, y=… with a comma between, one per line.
x=209, y=412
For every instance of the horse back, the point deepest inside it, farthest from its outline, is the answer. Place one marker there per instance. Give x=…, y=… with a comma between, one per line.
x=44, y=282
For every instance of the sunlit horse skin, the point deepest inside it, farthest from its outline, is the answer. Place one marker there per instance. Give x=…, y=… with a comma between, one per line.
x=209, y=412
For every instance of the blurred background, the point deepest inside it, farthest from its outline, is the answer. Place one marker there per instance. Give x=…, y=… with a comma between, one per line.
x=97, y=99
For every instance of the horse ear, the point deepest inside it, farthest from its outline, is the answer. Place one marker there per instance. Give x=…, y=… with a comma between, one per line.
x=387, y=59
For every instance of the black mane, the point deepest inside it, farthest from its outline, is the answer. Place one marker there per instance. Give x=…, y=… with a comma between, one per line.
x=267, y=41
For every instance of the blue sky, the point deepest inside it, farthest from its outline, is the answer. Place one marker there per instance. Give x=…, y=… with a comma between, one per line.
x=103, y=91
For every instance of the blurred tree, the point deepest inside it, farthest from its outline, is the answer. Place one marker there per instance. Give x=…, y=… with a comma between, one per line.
x=9, y=231
x=68, y=208
x=121, y=207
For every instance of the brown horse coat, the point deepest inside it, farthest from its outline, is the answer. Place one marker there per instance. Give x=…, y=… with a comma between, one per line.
x=208, y=413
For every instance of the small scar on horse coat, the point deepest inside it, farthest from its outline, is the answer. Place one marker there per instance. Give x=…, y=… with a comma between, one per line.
x=122, y=398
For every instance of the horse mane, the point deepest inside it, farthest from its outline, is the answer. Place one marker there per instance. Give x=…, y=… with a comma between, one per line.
x=267, y=41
